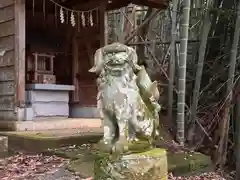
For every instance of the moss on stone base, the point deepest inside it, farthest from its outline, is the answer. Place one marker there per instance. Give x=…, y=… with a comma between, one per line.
x=27, y=140
x=149, y=165
x=185, y=163
x=181, y=164
x=82, y=168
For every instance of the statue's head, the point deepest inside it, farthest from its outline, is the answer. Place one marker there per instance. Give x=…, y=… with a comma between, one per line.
x=115, y=57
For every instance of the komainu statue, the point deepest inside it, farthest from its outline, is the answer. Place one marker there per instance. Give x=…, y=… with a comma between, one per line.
x=127, y=99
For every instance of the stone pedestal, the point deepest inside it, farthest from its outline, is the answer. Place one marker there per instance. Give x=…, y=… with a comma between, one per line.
x=47, y=101
x=3, y=146
x=149, y=165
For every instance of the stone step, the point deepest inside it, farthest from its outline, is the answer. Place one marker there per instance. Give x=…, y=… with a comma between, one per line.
x=51, y=124
x=39, y=141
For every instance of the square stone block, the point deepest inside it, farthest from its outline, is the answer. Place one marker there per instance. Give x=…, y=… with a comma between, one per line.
x=3, y=146
x=149, y=165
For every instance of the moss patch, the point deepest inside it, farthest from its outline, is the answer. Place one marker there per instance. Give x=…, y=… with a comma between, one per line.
x=156, y=152
x=73, y=152
x=150, y=165
x=179, y=164
x=184, y=163
x=38, y=142
x=84, y=166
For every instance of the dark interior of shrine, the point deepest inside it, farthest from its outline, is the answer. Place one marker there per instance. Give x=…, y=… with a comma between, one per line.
x=47, y=40
x=62, y=52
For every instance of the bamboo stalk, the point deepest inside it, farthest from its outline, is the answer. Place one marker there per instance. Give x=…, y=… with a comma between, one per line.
x=172, y=59
x=182, y=72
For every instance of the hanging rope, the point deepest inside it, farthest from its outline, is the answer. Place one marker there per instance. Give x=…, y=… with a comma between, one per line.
x=65, y=13
x=73, y=10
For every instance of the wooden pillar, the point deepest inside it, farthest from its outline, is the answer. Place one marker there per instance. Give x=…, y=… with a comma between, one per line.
x=103, y=25
x=19, y=50
x=75, y=68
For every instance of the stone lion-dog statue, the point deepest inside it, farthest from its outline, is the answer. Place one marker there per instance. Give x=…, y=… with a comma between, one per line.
x=127, y=99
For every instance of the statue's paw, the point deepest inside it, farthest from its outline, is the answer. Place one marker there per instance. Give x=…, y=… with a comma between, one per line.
x=136, y=139
x=120, y=148
x=132, y=139
x=104, y=146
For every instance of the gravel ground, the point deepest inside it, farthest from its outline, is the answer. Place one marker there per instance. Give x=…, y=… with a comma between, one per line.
x=59, y=174
x=34, y=167
x=204, y=176
x=40, y=167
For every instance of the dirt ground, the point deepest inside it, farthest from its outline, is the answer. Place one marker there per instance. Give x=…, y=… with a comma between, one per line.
x=41, y=167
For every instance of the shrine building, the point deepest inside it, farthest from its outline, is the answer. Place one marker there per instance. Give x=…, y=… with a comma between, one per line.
x=46, y=50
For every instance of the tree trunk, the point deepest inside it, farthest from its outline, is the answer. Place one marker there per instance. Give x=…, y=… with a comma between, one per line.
x=130, y=22
x=120, y=21
x=230, y=84
x=143, y=33
x=237, y=141
x=172, y=59
x=182, y=71
x=115, y=24
x=144, y=23
x=201, y=56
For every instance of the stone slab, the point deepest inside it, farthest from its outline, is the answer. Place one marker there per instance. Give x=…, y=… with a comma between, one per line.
x=77, y=111
x=53, y=109
x=43, y=104
x=47, y=96
x=51, y=124
x=149, y=165
x=41, y=141
x=50, y=87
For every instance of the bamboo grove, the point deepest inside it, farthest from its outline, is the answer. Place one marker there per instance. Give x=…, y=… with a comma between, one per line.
x=192, y=48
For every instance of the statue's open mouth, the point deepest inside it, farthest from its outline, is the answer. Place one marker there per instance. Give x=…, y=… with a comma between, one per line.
x=115, y=63
x=116, y=67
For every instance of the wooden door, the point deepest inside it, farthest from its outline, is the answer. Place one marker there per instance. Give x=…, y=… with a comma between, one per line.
x=85, y=45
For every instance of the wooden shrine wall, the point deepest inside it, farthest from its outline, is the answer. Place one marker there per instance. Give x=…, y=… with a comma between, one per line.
x=7, y=63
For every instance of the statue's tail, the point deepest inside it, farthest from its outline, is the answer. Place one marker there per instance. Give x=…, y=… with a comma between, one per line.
x=98, y=62
x=154, y=90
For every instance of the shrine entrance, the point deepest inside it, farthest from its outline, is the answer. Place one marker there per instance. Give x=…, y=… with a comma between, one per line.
x=60, y=45
x=47, y=47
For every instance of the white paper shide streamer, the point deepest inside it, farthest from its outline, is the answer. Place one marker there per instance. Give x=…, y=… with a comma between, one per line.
x=84, y=18
x=72, y=18
x=62, y=15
